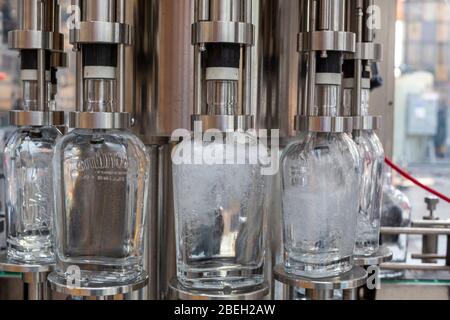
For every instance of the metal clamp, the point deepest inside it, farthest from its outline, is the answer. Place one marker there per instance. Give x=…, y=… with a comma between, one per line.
x=324, y=124
x=36, y=118
x=223, y=123
x=223, y=32
x=60, y=284
x=35, y=40
x=178, y=292
x=102, y=32
x=367, y=123
x=327, y=41
x=100, y=120
x=366, y=51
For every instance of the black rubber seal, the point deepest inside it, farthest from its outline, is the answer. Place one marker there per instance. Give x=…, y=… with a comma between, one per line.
x=331, y=64
x=349, y=70
x=100, y=55
x=222, y=55
x=29, y=60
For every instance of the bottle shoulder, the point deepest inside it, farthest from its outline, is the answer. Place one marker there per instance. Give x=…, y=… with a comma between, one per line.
x=39, y=137
x=368, y=142
x=83, y=143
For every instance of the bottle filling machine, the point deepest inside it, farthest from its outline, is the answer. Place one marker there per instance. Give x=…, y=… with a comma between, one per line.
x=153, y=186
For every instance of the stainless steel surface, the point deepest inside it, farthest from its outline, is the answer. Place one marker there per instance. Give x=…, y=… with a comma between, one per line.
x=61, y=286
x=367, y=51
x=327, y=41
x=428, y=257
x=319, y=295
x=36, y=118
x=350, y=280
x=367, y=123
x=415, y=231
x=41, y=82
x=177, y=292
x=121, y=63
x=29, y=17
x=162, y=90
x=383, y=255
x=225, y=10
x=422, y=267
x=223, y=123
x=100, y=120
x=223, y=32
x=100, y=95
x=431, y=223
x=103, y=32
x=324, y=124
x=35, y=39
x=430, y=244
x=222, y=97
x=11, y=266
x=98, y=10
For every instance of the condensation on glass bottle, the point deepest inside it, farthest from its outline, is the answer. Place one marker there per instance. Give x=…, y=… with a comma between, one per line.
x=396, y=213
x=320, y=183
x=219, y=205
x=28, y=158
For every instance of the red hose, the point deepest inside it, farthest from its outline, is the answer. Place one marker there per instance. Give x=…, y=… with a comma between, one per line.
x=407, y=176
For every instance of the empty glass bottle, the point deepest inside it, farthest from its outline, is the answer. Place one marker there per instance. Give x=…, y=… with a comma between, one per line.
x=219, y=214
x=30, y=193
x=320, y=182
x=101, y=181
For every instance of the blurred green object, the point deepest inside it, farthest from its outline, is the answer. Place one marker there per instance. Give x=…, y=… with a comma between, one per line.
x=10, y=275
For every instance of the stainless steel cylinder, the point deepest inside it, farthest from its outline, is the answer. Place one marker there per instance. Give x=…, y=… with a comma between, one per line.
x=226, y=10
x=29, y=15
x=161, y=66
x=331, y=15
x=278, y=65
x=99, y=10
x=222, y=97
x=100, y=95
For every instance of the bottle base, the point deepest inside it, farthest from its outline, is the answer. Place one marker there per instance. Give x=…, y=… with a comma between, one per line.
x=319, y=270
x=31, y=250
x=89, y=275
x=366, y=248
x=221, y=278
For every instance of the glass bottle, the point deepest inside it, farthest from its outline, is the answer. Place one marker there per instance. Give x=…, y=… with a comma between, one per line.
x=396, y=212
x=219, y=214
x=320, y=181
x=372, y=154
x=101, y=195
x=5, y=133
x=30, y=193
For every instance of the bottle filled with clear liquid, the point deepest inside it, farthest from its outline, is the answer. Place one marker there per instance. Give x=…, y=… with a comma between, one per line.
x=320, y=183
x=101, y=179
x=30, y=194
x=219, y=205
